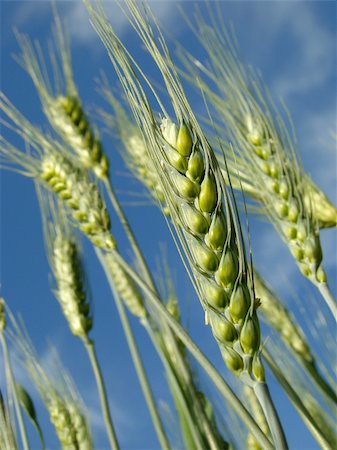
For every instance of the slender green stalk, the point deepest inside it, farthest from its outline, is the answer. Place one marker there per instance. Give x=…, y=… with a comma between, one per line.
x=328, y=297
x=297, y=402
x=136, y=359
x=130, y=235
x=324, y=386
x=262, y=393
x=11, y=382
x=223, y=388
x=172, y=379
x=141, y=260
x=102, y=395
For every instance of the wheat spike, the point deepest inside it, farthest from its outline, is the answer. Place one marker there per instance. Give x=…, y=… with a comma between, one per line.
x=59, y=395
x=202, y=211
x=80, y=195
x=126, y=288
x=61, y=103
x=70, y=291
x=50, y=164
x=265, y=149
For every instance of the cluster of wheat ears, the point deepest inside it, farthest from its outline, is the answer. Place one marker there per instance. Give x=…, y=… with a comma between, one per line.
x=207, y=175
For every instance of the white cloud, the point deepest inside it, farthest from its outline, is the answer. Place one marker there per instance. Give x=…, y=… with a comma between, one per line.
x=83, y=32
x=314, y=62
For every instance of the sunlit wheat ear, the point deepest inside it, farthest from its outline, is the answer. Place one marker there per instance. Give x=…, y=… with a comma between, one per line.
x=64, y=257
x=48, y=163
x=202, y=211
x=69, y=285
x=198, y=206
x=265, y=148
x=133, y=149
x=277, y=315
x=60, y=99
x=81, y=196
x=58, y=393
x=126, y=288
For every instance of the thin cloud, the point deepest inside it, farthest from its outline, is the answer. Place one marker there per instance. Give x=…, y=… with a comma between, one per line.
x=315, y=47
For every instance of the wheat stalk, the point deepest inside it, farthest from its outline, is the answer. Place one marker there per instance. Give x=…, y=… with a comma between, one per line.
x=256, y=409
x=7, y=435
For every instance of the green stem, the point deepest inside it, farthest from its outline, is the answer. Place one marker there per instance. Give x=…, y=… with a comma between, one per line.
x=136, y=360
x=144, y=267
x=102, y=395
x=219, y=382
x=11, y=382
x=130, y=235
x=319, y=380
x=175, y=387
x=296, y=401
x=263, y=395
x=329, y=298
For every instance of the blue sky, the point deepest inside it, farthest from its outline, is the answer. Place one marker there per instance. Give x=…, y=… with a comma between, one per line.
x=294, y=46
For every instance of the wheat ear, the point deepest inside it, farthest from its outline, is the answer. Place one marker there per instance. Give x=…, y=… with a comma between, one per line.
x=50, y=165
x=278, y=316
x=61, y=103
x=266, y=150
x=65, y=261
x=59, y=395
x=196, y=205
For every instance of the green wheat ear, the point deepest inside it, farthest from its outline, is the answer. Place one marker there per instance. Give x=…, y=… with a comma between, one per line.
x=264, y=154
x=59, y=395
x=61, y=103
x=50, y=164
